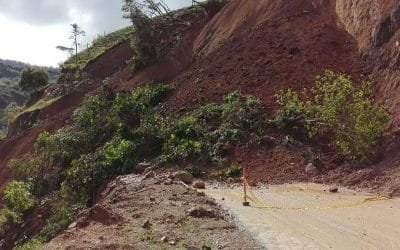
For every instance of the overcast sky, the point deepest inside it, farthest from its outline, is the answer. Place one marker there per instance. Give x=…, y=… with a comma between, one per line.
x=31, y=29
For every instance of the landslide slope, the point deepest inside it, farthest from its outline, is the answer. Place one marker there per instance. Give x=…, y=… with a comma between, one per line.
x=258, y=47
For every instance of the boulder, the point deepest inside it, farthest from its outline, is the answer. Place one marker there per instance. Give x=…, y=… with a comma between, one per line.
x=200, y=212
x=334, y=189
x=311, y=170
x=184, y=176
x=199, y=185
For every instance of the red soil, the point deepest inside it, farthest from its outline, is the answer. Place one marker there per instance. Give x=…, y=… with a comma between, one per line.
x=111, y=61
x=258, y=47
x=263, y=55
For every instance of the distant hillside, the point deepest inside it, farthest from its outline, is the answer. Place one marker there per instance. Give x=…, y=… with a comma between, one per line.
x=9, y=90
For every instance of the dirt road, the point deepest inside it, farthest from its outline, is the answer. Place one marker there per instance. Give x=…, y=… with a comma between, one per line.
x=370, y=225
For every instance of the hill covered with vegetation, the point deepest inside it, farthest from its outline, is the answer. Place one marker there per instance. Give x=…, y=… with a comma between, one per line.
x=208, y=89
x=10, y=92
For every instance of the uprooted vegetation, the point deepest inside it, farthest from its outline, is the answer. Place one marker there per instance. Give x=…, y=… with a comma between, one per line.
x=337, y=108
x=113, y=133
x=158, y=29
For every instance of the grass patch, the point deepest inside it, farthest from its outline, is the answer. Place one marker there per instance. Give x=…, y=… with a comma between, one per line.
x=100, y=45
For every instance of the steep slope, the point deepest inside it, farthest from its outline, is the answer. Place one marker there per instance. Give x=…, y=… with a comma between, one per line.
x=261, y=47
x=258, y=47
x=9, y=89
x=376, y=27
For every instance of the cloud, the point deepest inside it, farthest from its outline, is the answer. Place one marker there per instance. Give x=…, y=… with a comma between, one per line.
x=36, y=12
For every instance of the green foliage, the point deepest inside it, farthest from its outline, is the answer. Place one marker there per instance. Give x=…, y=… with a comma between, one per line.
x=34, y=244
x=61, y=217
x=17, y=200
x=233, y=171
x=33, y=78
x=337, y=108
x=12, y=111
x=196, y=171
x=109, y=136
x=143, y=39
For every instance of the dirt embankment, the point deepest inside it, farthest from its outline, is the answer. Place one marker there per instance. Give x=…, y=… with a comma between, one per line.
x=261, y=47
x=376, y=27
x=153, y=213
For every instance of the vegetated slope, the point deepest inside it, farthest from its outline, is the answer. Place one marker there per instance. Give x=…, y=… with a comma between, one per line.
x=257, y=47
x=97, y=67
x=9, y=90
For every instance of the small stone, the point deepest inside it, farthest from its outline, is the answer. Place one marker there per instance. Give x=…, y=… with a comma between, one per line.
x=333, y=189
x=199, y=185
x=184, y=176
x=142, y=167
x=152, y=198
x=311, y=170
x=168, y=182
x=172, y=243
x=73, y=225
x=164, y=239
x=201, y=194
x=146, y=224
x=149, y=175
x=191, y=248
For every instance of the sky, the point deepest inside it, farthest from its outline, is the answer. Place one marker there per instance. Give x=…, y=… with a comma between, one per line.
x=31, y=29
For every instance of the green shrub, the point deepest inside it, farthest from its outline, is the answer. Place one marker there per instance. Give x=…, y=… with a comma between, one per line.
x=17, y=200
x=32, y=78
x=338, y=108
x=196, y=171
x=62, y=216
x=185, y=139
x=34, y=244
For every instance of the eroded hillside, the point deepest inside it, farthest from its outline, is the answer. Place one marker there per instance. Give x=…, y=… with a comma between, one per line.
x=257, y=47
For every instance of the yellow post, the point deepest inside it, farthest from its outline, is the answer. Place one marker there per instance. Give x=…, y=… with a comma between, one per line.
x=245, y=202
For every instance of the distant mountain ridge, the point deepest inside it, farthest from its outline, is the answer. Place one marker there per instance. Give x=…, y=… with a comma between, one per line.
x=12, y=69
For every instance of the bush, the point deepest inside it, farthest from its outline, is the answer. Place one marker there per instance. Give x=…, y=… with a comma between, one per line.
x=196, y=171
x=32, y=78
x=338, y=108
x=17, y=200
x=34, y=244
x=61, y=217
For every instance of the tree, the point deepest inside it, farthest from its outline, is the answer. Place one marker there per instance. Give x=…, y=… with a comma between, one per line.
x=143, y=39
x=76, y=33
x=32, y=78
x=65, y=49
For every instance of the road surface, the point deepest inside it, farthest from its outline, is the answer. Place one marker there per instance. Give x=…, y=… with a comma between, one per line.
x=370, y=225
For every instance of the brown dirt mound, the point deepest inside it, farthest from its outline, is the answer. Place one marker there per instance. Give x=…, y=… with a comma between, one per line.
x=156, y=215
